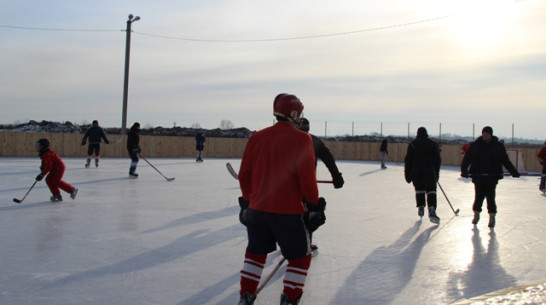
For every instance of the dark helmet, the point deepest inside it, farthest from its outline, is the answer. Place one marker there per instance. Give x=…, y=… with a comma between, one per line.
x=304, y=125
x=42, y=145
x=287, y=106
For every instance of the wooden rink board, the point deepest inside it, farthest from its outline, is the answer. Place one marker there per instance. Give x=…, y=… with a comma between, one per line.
x=21, y=144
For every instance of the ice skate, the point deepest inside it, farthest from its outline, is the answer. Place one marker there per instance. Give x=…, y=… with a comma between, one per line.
x=56, y=198
x=133, y=175
x=491, y=220
x=421, y=211
x=247, y=299
x=87, y=163
x=432, y=215
x=476, y=218
x=74, y=193
x=284, y=300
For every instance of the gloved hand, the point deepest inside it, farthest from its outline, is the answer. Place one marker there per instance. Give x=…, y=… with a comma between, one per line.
x=244, y=208
x=319, y=207
x=313, y=220
x=464, y=174
x=106, y=141
x=407, y=177
x=40, y=177
x=83, y=142
x=516, y=174
x=137, y=150
x=338, y=181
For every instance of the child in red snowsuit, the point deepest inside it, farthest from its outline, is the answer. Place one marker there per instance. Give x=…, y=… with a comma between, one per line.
x=52, y=164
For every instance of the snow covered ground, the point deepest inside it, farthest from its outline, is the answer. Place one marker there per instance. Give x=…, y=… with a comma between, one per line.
x=149, y=241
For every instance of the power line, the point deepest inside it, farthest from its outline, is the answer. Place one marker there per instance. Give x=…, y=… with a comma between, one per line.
x=55, y=29
x=316, y=36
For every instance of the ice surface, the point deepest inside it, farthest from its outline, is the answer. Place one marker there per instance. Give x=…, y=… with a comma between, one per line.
x=149, y=241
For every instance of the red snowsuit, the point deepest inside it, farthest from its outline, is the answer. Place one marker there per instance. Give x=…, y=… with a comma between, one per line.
x=52, y=164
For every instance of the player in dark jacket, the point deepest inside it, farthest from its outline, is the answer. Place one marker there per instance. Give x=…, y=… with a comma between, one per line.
x=133, y=148
x=314, y=220
x=383, y=152
x=199, y=144
x=486, y=156
x=95, y=134
x=422, y=166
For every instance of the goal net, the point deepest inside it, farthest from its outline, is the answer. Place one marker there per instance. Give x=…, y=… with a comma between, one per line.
x=516, y=159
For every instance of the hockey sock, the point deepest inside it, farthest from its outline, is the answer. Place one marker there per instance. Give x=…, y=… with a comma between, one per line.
x=252, y=272
x=431, y=198
x=420, y=198
x=296, y=274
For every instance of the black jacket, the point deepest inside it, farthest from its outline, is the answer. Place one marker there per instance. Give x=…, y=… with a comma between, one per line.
x=422, y=159
x=95, y=134
x=323, y=153
x=133, y=138
x=486, y=160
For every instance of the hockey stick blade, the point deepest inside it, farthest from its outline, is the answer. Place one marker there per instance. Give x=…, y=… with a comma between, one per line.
x=30, y=189
x=232, y=171
x=170, y=179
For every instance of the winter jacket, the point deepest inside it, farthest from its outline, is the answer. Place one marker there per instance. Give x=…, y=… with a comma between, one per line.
x=323, y=153
x=95, y=134
x=278, y=170
x=422, y=159
x=486, y=160
x=133, y=139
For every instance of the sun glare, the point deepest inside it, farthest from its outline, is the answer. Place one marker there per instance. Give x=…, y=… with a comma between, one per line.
x=482, y=27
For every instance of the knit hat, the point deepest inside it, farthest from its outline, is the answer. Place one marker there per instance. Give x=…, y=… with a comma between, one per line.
x=488, y=129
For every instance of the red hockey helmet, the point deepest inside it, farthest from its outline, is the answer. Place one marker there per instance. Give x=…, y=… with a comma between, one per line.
x=288, y=106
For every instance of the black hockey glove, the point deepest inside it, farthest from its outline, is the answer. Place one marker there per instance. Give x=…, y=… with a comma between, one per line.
x=313, y=220
x=465, y=174
x=408, y=178
x=40, y=177
x=83, y=142
x=137, y=150
x=106, y=141
x=319, y=207
x=338, y=181
x=244, y=208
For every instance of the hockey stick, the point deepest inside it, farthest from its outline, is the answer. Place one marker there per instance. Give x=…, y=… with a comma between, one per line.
x=270, y=276
x=454, y=211
x=168, y=179
x=236, y=176
x=232, y=171
x=30, y=189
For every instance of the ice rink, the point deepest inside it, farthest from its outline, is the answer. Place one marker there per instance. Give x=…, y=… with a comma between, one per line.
x=148, y=241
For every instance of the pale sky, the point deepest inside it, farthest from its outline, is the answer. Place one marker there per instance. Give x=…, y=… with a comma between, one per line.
x=354, y=64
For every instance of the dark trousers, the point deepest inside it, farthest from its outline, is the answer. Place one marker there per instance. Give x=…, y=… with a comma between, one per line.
x=483, y=191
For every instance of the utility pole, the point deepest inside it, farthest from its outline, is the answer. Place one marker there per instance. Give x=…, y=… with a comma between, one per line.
x=126, y=78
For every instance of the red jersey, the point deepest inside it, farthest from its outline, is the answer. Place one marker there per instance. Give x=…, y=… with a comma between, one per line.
x=51, y=162
x=542, y=156
x=278, y=169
